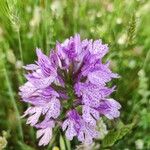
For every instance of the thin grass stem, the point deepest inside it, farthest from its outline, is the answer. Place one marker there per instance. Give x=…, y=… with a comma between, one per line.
x=20, y=46
x=11, y=95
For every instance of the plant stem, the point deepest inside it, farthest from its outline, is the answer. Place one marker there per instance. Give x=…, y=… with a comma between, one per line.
x=45, y=27
x=146, y=60
x=20, y=46
x=51, y=144
x=14, y=104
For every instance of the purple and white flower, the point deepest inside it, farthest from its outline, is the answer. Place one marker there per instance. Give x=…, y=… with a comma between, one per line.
x=69, y=88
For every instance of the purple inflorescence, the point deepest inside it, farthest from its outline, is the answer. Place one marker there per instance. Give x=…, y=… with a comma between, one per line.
x=68, y=88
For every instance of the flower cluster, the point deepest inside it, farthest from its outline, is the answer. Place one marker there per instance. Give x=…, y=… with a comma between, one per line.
x=69, y=89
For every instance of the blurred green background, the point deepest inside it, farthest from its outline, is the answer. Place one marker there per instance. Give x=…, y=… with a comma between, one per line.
x=123, y=24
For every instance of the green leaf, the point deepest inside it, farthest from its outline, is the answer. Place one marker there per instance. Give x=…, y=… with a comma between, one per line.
x=62, y=143
x=24, y=146
x=68, y=144
x=110, y=138
x=113, y=136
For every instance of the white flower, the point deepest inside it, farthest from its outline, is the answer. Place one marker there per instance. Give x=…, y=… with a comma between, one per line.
x=102, y=129
x=36, y=17
x=119, y=20
x=139, y=144
x=122, y=39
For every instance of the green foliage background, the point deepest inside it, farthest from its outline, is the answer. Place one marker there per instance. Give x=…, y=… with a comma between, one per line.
x=123, y=24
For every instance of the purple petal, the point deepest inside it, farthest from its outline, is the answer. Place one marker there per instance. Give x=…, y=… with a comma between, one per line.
x=109, y=108
x=90, y=115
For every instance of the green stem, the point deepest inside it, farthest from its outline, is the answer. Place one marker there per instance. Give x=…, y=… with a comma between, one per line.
x=51, y=144
x=20, y=46
x=146, y=59
x=45, y=27
x=13, y=103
